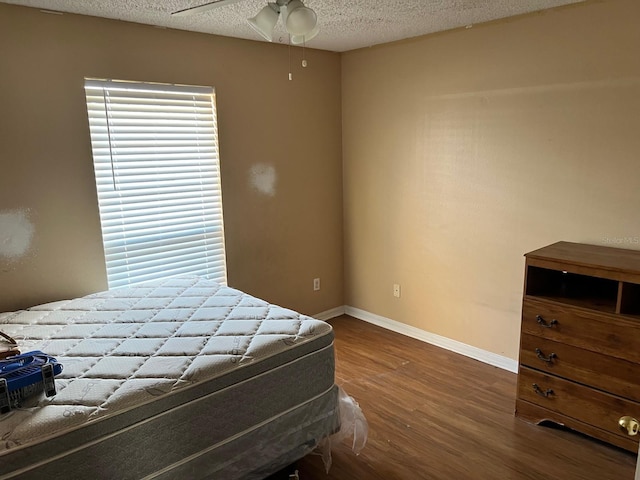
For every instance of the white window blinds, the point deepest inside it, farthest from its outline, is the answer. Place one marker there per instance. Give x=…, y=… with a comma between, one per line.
x=155, y=156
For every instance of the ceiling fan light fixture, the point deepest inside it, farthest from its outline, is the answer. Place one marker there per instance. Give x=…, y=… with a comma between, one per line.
x=300, y=39
x=265, y=21
x=300, y=20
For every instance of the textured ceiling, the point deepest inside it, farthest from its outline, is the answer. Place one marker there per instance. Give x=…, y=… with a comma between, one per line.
x=345, y=24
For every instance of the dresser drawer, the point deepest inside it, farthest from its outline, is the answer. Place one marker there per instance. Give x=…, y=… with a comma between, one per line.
x=614, y=335
x=603, y=372
x=582, y=403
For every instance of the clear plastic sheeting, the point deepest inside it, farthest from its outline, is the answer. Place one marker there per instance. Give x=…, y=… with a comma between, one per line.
x=353, y=424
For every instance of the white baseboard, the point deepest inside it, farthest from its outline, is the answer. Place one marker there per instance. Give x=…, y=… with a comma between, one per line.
x=453, y=345
x=329, y=314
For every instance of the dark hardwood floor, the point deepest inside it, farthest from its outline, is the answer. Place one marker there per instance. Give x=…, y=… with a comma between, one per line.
x=434, y=414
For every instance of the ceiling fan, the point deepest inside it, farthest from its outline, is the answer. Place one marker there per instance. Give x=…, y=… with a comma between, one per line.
x=301, y=22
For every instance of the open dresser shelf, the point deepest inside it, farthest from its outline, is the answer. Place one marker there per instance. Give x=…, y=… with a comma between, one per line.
x=580, y=340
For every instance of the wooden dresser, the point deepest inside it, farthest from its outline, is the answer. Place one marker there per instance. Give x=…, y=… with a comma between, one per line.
x=580, y=341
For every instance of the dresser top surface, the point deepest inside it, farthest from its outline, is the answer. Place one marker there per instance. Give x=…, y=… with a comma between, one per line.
x=609, y=258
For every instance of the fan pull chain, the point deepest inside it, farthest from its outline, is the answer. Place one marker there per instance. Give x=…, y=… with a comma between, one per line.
x=304, y=55
x=290, y=74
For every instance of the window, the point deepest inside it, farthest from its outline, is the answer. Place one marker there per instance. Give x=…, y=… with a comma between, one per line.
x=155, y=157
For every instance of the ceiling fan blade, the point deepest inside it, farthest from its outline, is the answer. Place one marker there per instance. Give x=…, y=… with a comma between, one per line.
x=203, y=8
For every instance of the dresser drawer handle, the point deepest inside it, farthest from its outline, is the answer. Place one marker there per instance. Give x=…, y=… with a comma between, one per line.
x=543, y=323
x=629, y=425
x=548, y=359
x=546, y=393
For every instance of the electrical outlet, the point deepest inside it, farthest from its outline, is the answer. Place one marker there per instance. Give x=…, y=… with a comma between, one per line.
x=316, y=284
x=396, y=290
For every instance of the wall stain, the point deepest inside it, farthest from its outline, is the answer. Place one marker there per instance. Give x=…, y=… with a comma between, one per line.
x=16, y=234
x=263, y=179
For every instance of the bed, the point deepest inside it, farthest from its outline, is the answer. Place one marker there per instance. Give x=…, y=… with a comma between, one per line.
x=175, y=378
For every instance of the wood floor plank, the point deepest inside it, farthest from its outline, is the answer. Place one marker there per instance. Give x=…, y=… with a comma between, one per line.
x=437, y=415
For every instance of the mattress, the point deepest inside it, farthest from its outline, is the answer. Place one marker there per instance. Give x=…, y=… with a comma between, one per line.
x=176, y=378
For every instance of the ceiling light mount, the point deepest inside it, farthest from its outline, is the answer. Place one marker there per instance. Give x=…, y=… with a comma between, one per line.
x=300, y=21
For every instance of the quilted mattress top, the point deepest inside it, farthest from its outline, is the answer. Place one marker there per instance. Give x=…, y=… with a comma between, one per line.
x=128, y=346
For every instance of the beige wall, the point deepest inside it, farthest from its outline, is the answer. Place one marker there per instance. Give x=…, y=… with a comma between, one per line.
x=276, y=244
x=464, y=150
